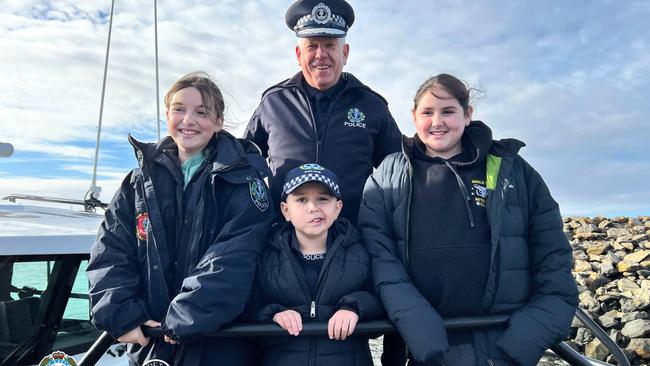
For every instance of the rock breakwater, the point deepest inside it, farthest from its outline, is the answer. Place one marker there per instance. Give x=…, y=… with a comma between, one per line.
x=612, y=270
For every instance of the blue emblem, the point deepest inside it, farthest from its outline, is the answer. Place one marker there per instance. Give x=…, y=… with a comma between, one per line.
x=258, y=194
x=355, y=115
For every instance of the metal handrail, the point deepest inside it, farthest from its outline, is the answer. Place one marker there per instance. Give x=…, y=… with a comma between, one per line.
x=562, y=349
x=597, y=331
x=309, y=329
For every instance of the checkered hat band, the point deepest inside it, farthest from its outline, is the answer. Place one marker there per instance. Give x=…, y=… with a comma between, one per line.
x=311, y=177
x=335, y=19
x=311, y=31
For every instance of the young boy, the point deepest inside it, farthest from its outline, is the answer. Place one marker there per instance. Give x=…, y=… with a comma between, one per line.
x=314, y=269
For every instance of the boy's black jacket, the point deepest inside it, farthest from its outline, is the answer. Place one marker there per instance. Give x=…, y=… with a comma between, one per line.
x=344, y=281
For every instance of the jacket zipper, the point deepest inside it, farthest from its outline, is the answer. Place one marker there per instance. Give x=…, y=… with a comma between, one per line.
x=408, y=208
x=300, y=276
x=406, y=235
x=313, y=125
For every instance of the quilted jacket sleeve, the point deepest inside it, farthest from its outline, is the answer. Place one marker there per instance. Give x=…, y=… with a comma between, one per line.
x=216, y=291
x=114, y=270
x=546, y=318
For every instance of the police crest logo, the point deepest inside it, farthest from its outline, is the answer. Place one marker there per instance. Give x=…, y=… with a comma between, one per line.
x=155, y=362
x=355, y=118
x=57, y=358
x=258, y=194
x=321, y=13
x=142, y=227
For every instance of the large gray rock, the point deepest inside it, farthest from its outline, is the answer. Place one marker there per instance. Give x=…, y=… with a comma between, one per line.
x=638, y=256
x=598, y=248
x=584, y=336
x=587, y=228
x=607, y=320
x=588, y=301
x=641, y=347
x=607, y=268
x=581, y=266
x=636, y=328
x=615, y=233
x=634, y=316
x=595, y=349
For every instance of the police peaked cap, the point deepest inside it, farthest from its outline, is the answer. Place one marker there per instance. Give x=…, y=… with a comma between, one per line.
x=320, y=18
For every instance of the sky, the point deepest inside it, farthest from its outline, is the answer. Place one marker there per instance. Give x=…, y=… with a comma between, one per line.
x=569, y=78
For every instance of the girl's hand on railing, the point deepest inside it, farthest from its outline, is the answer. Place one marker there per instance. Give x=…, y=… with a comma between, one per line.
x=342, y=324
x=135, y=335
x=289, y=320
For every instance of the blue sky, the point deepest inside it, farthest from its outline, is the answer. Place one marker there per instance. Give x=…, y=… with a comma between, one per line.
x=569, y=78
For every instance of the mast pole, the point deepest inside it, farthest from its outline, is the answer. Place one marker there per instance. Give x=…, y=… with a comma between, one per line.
x=93, y=191
x=155, y=21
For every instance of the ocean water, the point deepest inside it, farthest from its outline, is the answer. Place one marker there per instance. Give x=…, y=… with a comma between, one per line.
x=35, y=274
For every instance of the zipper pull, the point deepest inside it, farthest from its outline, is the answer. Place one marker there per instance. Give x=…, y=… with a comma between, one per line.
x=312, y=310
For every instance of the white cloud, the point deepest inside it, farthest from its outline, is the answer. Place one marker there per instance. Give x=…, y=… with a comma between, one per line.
x=570, y=79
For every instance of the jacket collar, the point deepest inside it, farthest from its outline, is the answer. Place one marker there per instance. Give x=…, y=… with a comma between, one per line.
x=342, y=230
x=226, y=153
x=478, y=137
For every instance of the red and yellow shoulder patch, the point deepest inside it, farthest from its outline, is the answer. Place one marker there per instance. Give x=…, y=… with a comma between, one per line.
x=142, y=225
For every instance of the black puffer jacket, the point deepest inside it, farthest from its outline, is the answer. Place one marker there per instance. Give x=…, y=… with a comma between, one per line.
x=358, y=134
x=529, y=276
x=183, y=256
x=343, y=282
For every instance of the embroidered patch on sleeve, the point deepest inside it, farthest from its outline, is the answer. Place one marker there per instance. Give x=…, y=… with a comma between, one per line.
x=142, y=226
x=258, y=194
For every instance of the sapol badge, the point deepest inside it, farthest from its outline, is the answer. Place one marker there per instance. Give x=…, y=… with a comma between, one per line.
x=57, y=358
x=142, y=227
x=321, y=13
x=258, y=194
x=355, y=118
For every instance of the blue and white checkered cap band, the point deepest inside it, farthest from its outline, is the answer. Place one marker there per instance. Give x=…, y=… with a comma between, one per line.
x=335, y=20
x=310, y=176
x=320, y=32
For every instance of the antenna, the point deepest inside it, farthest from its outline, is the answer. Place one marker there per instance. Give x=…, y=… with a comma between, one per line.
x=6, y=150
x=93, y=191
x=155, y=22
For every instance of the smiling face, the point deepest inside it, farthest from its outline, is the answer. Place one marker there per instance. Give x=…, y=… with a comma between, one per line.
x=188, y=122
x=321, y=60
x=312, y=209
x=440, y=122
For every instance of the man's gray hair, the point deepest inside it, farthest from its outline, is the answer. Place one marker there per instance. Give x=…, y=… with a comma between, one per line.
x=341, y=40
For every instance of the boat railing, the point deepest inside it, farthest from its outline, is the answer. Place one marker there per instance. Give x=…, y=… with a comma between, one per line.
x=89, y=204
x=375, y=328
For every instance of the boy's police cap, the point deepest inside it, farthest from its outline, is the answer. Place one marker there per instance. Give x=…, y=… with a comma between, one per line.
x=310, y=173
x=320, y=18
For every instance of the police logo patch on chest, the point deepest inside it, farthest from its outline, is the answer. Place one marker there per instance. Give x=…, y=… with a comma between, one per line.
x=258, y=194
x=355, y=118
x=142, y=225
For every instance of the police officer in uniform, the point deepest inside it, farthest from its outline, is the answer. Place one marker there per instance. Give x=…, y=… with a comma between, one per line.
x=323, y=114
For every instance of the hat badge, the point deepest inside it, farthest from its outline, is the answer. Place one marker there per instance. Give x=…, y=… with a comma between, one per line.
x=321, y=13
